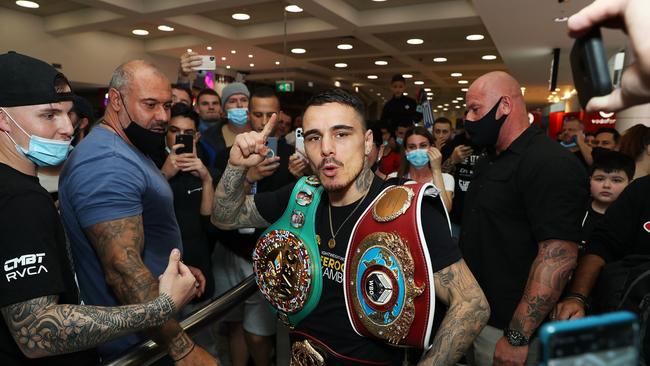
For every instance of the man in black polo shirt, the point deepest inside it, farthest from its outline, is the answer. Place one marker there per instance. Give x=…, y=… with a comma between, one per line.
x=521, y=221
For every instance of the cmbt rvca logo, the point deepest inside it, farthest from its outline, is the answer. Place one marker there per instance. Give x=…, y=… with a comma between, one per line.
x=23, y=266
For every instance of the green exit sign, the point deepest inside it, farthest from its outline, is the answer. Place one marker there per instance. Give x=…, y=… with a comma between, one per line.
x=284, y=86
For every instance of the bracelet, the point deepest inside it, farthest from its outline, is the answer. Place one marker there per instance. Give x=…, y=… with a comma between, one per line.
x=187, y=354
x=580, y=297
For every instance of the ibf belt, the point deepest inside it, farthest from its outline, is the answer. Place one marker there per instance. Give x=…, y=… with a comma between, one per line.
x=286, y=259
x=389, y=289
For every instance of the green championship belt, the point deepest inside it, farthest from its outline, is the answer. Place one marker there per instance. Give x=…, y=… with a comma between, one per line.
x=286, y=259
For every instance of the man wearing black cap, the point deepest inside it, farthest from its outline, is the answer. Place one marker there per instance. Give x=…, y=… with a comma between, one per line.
x=38, y=294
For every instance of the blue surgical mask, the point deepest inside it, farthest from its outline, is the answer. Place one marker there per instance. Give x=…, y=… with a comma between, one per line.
x=385, y=143
x=418, y=158
x=238, y=116
x=41, y=151
x=399, y=140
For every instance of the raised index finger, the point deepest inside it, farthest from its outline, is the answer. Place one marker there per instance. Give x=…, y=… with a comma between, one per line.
x=270, y=125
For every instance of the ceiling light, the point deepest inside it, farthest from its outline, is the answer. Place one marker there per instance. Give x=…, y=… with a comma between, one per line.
x=344, y=46
x=405, y=93
x=209, y=48
x=28, y=4
x=381, y=62
x=277, y=62
x=454, y=101
x=378, y=1
x=298, y=50
x=414, y=41
x=233, y=51
x=189, y=50
x=439, y=105
x=435, y=111
x=456, y=74
x=457, y=107
x=474, y=37
x=140, y=32
x=372, y=77
x=464, y=105
x=446, y=104
x=427, y=89
x=440, y=59
x=379, y=94
x=429, y=98
x=250, y=56
x=464, y=89
x=459, y=98
x=356, y=89
x=554, y=92
x=227, y=66
x=337, y=84
x=251, y=65
x=165, y=28
x=557, y=89
x=489, y=57
x=241, y=16
x=445, y=109
x=463, y=81
x=340, y=65
x=418, y=82
x=293, y=9
x=223, y=58
x=407, y=76
x=430, y=94
x=560, y=19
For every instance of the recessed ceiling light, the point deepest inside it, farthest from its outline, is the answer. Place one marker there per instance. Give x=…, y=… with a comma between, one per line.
x=140, y=32
x=165, y=28
x=379, y=94
x=456, y=74
x=189, y=50
x=463, y=81
x=277, y=62
x=381, y=62
x=474, y=37
x=227, y=66
x=489, y=57
x=250, y=56
x=429, y=98
x=209, y=48
x=440, y=59
x=298, y=50
x=439, y=105
x=407, y=76
x=28, y=4
x=378, y=1
x=557, y=89
x=435, y=111
x=337, y=84
x=414, y=41
x=233, y=51
x=446, y=104
x=251, y=65
x=459, y=98
x=405, y=93
x=344, y=46
x=418, y=82
x=241, y=16
x=445, y=109
x=560, y=19
x=464, y=105
x=223, y=58
x=430, y=94
x=464, y=89
x=340, y=65
x=372, y=77
x=293, y=9
x=427, y=89
x=457, y=107
x=454, y=101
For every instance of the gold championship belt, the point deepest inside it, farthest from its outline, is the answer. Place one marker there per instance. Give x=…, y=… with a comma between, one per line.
x=388, y=277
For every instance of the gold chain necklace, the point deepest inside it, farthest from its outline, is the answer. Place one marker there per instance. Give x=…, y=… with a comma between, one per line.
x=332, y=242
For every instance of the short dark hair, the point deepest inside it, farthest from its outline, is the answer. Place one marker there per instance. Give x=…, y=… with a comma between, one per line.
x=339, y=96
x=590, y=134
x=184, y=110
x=397, y=77
x=376, y=127
x=263, y=92
x=183, y=88
x=442, y=120
x=635, y=140
x=407, y=124
x=207, y=91
x=613, y=131
x=610, y=161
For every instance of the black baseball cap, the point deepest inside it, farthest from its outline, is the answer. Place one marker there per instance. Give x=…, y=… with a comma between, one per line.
x=25, y=81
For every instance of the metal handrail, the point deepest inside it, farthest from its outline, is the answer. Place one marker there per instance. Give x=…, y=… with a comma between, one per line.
x=149, y=352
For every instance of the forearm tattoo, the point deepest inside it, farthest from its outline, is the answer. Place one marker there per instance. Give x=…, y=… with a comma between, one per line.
x=448, y=166
x=42, y=328
x=548, y=275
x=468, y=313
x=232, y=207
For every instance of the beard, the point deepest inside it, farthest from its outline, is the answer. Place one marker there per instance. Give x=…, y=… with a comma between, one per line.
x=340, y=186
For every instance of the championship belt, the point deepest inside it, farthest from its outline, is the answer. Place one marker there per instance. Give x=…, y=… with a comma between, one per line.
x=286, y=259
x=388, y=278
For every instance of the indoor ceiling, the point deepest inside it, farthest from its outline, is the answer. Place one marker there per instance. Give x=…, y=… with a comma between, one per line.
x=521, y=34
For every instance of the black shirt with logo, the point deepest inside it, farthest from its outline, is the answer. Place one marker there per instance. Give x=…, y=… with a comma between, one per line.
x=531, y=192
x=329, y=322
x=402, y=109
x=35, y=259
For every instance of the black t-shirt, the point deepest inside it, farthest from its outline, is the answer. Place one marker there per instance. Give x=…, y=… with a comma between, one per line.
x=35, y=259
x=590, y=221
x=402, y=109
x=531, y=192
x=463, y=173
x=329, y=322
x=625, y=229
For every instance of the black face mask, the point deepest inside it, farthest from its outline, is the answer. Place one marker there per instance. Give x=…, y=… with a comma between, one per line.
x=485, y=131
x=148, y=142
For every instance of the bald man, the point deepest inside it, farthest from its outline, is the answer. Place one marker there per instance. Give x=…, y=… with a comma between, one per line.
x=521, y=219
x=118, y=208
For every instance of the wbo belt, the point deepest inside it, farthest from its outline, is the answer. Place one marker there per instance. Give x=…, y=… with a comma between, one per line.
x=286, y=259
x=388, y=277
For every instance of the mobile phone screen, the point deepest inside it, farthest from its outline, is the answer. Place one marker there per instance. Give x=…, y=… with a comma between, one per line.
x=272, y=144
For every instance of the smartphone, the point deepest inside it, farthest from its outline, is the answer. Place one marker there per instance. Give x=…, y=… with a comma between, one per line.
x=609, y=340
x=589, y=67
x=300, y=141
x=187, y=141
x=272, y=144
x=207, y=63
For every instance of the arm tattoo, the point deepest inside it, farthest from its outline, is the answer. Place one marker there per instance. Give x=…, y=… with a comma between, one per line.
x=548, y=275
x=467, y=314
x=232, y=208
x=119, y=244
x=42, y=328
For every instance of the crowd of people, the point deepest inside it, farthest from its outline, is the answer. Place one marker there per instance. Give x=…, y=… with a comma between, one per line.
x=115, y=229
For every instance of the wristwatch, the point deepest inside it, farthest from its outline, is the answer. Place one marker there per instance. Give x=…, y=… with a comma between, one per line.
x=515, y=338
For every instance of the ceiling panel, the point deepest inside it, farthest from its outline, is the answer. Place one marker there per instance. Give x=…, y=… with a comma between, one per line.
x=324, y=47
x=371, y=5
x=48, y=7
x=272, y=11
x=446, y=38
x=154, y=33
x=364, y=63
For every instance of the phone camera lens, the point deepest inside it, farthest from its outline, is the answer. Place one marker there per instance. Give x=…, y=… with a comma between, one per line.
x=211, y=58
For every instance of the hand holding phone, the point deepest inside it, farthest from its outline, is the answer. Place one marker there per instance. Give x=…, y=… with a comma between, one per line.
x=208, y=62
x=187, y=141
x=589, y=67
x=300, y=141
